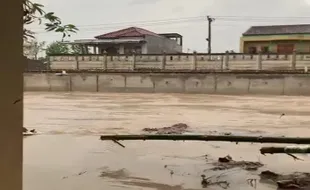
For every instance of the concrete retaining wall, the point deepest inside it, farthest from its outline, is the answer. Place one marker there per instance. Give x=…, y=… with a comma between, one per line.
x=217, y=83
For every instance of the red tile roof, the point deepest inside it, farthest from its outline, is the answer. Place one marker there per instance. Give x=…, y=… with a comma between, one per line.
x=127, y=32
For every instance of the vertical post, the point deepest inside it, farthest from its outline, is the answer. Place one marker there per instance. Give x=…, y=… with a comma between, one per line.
x=222, y=62
x=164, y=59
x=105, y=61
x=226, y=60
x=95, y=49
x=209, y=39
x=259, y=61
x=77, y=62
x=48, y=67
x=11, y=101
x=133, y=61
x=194, y=66
x=293, y=60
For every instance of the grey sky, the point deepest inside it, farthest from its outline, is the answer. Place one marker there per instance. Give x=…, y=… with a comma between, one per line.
x=95, y=16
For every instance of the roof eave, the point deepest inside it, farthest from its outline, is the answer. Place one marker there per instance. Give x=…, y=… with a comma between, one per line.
x=275, y=34
x=109, y=38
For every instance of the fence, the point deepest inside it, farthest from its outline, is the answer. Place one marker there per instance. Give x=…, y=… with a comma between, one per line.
x=35, y=65
x=216, y=62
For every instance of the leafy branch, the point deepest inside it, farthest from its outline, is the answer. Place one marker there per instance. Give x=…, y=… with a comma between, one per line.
x=33, y=12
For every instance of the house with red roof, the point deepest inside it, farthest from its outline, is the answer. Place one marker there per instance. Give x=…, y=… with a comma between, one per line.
x=133, y=39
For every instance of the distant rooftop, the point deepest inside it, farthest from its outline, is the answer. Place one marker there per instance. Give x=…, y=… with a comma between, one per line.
x=169, y=35
x=278, y=30
x=127, y=32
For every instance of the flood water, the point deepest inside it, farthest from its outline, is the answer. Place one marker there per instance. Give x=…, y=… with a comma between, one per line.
x=67, y=153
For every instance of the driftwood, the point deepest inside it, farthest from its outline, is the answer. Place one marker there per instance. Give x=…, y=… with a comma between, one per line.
x=289, y=150
x=227, y=138
x=286, y=150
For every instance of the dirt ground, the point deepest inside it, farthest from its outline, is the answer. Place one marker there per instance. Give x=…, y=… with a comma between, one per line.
x=67, y=153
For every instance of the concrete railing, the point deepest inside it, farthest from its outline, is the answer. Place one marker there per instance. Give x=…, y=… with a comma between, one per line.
x=217, y=62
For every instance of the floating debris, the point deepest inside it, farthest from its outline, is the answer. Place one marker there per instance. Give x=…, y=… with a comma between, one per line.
x=207, y=182
x=27, y=132
x=226, y=163
x=292, y=181
x=179, y=128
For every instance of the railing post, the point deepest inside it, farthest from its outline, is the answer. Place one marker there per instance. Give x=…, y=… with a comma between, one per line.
x=194, y=66
x=105, y=61
x=293, y=60
x=259, y=61
x=133, y=61
x=226, y=61
x=163, y=63
x=77, y=62
x=222, y=62
x=48, y=63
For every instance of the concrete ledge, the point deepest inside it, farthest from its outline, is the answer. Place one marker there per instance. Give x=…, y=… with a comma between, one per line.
x=59, y=83
x=143, y=83
x=84, y=83
x=111, y=83
x=231, y=84
x=36, y=82
x=169, y=83
x=201, y=84
x=273, y=86
x=297, y=85
x=228, y=84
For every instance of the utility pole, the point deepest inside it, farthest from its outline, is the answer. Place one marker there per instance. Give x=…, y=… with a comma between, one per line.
x=210, y=20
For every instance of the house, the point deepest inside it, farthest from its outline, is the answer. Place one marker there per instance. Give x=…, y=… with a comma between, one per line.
x=133, y=39
x=282, y=39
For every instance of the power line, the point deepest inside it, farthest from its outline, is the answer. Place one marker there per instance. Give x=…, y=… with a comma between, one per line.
x=197, y=19
x=140, y=25
x=266, y=17
x=145, y=22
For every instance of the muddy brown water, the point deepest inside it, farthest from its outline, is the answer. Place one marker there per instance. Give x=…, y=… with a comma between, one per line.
x=67, y=153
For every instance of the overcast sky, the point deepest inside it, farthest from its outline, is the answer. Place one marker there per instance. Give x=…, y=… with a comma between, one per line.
x=95, y=17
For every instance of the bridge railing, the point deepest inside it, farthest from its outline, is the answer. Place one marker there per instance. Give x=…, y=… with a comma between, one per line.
x=167, y=62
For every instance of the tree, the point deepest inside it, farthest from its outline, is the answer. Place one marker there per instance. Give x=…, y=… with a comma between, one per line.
x=57, y=48
x=33, y=12
x=32, y=48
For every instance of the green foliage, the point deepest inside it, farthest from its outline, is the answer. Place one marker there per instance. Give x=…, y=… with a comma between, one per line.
x=32, y=48
x=57, y=48
x=62, y=48
x=33, y=12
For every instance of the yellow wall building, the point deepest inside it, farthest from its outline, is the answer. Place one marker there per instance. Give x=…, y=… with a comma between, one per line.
x=282, y=39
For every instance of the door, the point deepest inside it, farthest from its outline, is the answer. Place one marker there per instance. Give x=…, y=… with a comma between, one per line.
x=252, y=50
x=285, y=48
x=111, y=51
